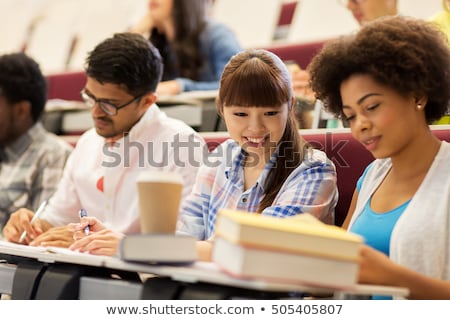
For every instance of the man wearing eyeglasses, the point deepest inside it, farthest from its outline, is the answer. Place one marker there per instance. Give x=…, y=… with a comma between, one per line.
x=368, y=10
x=131, y=135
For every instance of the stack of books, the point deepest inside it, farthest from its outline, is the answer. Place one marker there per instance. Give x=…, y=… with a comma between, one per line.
x=298, y=249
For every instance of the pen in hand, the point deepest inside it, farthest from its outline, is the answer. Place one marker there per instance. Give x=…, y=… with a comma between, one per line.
x=83, y=213
x=36, y=215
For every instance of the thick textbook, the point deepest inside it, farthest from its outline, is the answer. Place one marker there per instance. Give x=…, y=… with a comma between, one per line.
x=158, y=249
x=300, y=234
x=255, y=263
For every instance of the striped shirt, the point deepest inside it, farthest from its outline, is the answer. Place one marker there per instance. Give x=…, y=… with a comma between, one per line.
x=311, y=188
x=30, y=170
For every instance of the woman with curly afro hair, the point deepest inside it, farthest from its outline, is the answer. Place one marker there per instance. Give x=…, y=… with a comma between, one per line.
x=389, y=82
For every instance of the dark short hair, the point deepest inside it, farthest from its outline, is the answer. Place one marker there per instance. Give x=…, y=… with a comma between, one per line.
x=126, y=59
x=21, y=79
x=408, y=55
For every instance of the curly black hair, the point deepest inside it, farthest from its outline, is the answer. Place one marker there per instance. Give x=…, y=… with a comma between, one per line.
x=408, y=55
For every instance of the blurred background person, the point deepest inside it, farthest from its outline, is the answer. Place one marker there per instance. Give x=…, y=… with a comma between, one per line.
x=442, y=18
x=363, y=11
x=368, y=10
x=31, y=158
x=194, y=48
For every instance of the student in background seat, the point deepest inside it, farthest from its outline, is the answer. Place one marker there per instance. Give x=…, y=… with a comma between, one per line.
x=390, y=81
x=442, y=18
x=368, y=10
x=194, y=48
x=31, y=158
x=363, y=11
x=131, y=135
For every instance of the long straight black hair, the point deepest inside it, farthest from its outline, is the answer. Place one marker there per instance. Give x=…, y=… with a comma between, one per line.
x=189, y=18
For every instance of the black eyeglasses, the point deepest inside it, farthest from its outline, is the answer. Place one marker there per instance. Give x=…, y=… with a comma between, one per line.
x=107, y=107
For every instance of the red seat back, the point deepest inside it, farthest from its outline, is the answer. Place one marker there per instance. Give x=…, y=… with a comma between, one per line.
x=66, y=86
x=350, y=159
x=302, y=53
x=287, y=13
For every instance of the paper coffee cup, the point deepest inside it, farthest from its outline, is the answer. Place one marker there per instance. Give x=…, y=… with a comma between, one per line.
x=159, y=200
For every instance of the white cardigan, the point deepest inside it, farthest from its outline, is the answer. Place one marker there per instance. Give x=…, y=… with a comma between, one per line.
x=420, y=238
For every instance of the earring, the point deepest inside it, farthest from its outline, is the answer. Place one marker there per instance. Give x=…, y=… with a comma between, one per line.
x=419, y=107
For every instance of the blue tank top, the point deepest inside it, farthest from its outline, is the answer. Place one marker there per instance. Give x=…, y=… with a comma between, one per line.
x=376, y=228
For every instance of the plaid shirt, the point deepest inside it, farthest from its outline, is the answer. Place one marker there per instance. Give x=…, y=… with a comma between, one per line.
x=311, y=187
x=30, y=169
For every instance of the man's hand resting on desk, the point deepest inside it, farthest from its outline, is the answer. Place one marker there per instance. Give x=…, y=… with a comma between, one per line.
x=54, y=237
x=19, y=221
x=100, y=240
